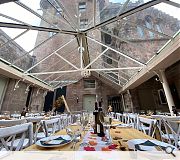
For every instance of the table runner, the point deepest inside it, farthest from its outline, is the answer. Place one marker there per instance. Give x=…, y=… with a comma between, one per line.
x=91, y=142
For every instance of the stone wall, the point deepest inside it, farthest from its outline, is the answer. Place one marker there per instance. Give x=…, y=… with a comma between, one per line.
x=146, y=97
x=37, y=100
x=77, y=90
x=12, y=51
x=15, y=100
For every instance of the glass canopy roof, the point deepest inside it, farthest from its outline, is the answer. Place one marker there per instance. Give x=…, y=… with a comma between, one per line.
x=60, y=41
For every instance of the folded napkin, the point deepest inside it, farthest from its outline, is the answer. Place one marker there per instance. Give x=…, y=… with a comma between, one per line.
x=55, y=141
x=146, y=143
x=88, y=148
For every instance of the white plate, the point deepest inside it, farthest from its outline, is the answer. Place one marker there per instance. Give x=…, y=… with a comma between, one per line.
x=53, y=142
x=133, y=142
x=123, y=125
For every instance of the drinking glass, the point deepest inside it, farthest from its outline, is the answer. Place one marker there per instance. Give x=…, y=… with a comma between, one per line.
x=106, y=121
x=16, y=115
x=84, y=121
x=74, y=131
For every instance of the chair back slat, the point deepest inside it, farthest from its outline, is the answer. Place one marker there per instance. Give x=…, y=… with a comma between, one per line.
x=119, y=116
x=172, y=129
x=9, y=135
x=53, y=124
x=146, y=125
x=8, y=123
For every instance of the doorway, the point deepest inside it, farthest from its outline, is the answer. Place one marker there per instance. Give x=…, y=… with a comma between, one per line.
x=88, y=102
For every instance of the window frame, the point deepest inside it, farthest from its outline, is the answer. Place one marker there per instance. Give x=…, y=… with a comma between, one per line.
x=85, y=81
x=83, y=23
x=82, y=6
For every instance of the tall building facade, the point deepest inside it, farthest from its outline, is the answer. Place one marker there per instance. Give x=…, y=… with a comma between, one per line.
x=139, y=36
x=12, y=99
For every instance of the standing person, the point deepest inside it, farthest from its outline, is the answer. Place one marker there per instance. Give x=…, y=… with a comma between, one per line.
x=23, y=113
x=174, y=110
x=109, y=109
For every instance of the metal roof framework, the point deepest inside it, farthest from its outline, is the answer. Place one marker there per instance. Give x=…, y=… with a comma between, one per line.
x=68, y=47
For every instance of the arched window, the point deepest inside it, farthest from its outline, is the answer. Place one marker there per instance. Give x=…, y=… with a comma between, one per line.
x=158, y=27
x=149, y=24
x=140, y=31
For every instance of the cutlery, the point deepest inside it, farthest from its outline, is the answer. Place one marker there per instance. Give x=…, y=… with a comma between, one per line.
x=75, y=141
x=158, y=148
x=69, y=132
x=168, y=150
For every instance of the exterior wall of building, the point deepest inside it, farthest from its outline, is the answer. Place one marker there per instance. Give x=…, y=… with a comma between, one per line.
x=102, y=91
x=37, y=100
x=145, y=96
x=12, y=51
x=15, y=100
x=143, y=44
x=173, y=76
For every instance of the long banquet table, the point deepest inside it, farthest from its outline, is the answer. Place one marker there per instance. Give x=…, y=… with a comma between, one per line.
x=124, y=134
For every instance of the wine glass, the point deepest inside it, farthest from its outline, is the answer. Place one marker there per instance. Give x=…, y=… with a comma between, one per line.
x=106, y=121
x=84, y=119
x=74, y=131
x=91, y=121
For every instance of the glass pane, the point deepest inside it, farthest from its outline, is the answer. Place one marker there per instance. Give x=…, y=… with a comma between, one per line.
x=12, y=32
x=109, y=77
x=51, y=11
x=125, y=38
x=12, y=51
x=65, y=79
x=156, y=18
x=109, y=9
x=13, y=10
x=44, y=49
x=111, y=60
x=53, y=64
x=8, y=19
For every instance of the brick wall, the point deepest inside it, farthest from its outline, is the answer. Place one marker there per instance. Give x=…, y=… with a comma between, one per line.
x=78, y=90
x=145, y=96
x=37, y=100
x=15, y=100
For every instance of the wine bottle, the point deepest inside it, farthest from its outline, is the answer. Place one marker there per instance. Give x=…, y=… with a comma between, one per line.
x=100, y=128
x=95, y=116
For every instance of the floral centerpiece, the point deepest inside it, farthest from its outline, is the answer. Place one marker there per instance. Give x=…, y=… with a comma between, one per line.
x=58, y=103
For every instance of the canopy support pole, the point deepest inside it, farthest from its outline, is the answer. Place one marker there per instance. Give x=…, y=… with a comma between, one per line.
x=167, y=90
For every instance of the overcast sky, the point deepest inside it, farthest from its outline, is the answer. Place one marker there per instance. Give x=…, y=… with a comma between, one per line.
x=27, y=41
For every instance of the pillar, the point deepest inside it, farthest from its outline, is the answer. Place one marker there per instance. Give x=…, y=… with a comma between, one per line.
x=122, y=96
x=167, y=91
